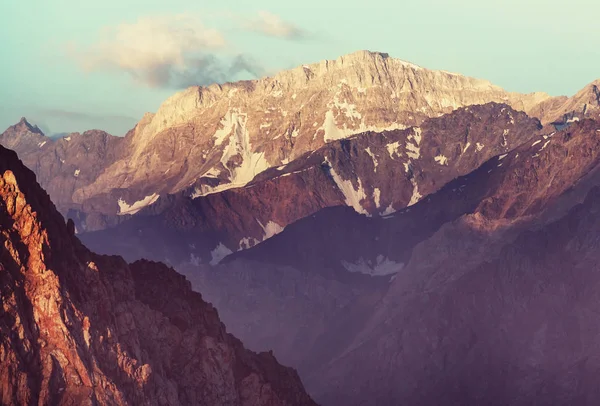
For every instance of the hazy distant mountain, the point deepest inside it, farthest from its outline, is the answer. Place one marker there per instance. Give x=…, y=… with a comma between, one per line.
x=491, y=277
x=498, y=306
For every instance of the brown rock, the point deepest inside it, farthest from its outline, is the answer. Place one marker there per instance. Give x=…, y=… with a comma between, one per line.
x=78, y=328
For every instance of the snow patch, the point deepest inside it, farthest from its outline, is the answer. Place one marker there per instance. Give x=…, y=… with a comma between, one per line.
x=501, y=157
x=377, y=197
x=270, y=229
x=412, y=148
x=252, y=163
x=479, y=146
x=227, y=124
x=220, y=252
x=194, y=260
x=67, y=138
x=466, y=147
x=125, y=208
x=77, y=172
x=545, y=145
x=247, y=243
x=212, y=172
x=535, y=143
x=416, y=196
x=393, y=149
x=352, y=196
x=373, y=157
x=333, y=132
x=382, y=266
x=389, y=210
x=441, y=159
x=504, y=140
x=41, y=144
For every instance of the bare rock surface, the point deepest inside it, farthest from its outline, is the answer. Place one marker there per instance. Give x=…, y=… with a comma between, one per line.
x=78, y=328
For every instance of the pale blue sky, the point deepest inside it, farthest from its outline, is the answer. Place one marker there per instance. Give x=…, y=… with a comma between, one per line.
x=521, y=45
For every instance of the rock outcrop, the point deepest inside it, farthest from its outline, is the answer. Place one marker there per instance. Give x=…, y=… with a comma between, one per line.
x=82, y=329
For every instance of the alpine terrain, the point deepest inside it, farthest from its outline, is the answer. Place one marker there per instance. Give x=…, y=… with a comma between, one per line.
x=397, y=235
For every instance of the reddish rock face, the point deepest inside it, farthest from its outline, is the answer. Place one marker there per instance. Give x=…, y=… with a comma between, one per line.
x=78, y=328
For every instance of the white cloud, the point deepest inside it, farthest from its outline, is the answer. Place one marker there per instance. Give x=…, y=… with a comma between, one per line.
x=272, y=25
x=166, y=51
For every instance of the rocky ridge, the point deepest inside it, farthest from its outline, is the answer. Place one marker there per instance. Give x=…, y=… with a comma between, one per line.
x=218, y=137
x=79, y=328
x=374, y=173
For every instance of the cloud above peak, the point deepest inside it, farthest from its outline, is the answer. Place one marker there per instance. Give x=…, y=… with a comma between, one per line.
x=167, y=51
x=272, y=25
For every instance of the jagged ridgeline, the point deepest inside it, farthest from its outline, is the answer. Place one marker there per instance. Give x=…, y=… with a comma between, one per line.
x=82, y=329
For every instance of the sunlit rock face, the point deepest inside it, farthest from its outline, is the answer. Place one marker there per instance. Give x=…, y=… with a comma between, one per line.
x=79, y=328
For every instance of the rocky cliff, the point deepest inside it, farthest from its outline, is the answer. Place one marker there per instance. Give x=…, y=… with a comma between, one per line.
x=78, y=328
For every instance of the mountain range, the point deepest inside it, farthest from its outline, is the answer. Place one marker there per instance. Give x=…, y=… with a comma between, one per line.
x=398, y=235
x=207, y=146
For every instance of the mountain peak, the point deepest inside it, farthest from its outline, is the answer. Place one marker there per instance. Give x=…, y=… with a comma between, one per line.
x=365, y=53
x=25, y=125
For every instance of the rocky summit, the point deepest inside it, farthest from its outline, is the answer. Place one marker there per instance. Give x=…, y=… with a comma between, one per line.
x=82, y=329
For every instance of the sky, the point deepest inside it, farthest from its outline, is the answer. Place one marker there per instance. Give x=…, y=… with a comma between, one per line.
x=73, y=65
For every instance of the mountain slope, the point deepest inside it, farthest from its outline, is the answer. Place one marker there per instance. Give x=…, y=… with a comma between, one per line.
x=374, y=173
x=442, y=242
x=510, y=188
x=519, y=327
x=219, y=137
x=78, y=328
x=229, y=133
